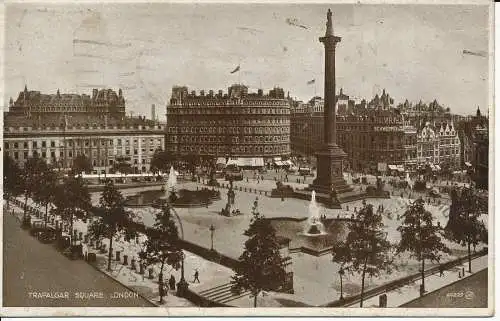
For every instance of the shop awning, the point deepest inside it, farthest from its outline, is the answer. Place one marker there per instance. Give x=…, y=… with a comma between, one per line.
x=232, y=162
x=438, y=168
x=221, y=160
x=278, y=163
x=251, y=162
x=288, y=162
x=392, y=167
x=468, y=164
x=400, y=168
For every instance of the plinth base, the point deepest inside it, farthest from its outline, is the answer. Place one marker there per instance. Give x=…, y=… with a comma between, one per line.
x=330, y=187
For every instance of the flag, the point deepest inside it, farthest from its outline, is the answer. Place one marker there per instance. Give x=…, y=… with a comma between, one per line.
x=236, y=69
x=310, y=82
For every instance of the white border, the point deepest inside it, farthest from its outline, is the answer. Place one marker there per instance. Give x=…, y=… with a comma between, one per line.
x=303, y=312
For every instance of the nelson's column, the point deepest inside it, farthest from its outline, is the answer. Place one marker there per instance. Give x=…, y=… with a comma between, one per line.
x=330, y=186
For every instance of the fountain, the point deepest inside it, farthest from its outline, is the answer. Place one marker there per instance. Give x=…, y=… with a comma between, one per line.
x=172, y=179
x=314, y=227
x=409, y=181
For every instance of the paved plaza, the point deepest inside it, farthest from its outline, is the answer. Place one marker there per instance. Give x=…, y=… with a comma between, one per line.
x=315, y=279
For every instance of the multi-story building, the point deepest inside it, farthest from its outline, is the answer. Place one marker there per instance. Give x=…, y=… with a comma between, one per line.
x=481, y=155
x=438, y=146
x=369, y=136
x=58, y=130
x=254, y=127
x=467, y=130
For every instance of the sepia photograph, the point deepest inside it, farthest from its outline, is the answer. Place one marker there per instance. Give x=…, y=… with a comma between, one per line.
x=252, y=159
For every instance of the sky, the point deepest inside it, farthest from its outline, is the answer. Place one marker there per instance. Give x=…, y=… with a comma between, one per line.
x=415, y=52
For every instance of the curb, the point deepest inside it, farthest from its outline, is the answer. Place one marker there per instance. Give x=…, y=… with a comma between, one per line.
x=450, y=284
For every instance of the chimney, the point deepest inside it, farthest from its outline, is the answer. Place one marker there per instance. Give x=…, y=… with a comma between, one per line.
x=153, y=112
x=94, y=93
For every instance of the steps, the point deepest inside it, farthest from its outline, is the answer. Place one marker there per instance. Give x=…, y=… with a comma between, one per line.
x=222, y=294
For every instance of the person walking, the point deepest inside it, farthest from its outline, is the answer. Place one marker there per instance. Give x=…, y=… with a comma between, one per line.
x=441, y=271
x=196, y=276
x=171, y=282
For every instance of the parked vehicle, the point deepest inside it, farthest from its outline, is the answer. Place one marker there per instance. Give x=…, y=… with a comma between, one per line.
x=233, y=172
x=305, y=171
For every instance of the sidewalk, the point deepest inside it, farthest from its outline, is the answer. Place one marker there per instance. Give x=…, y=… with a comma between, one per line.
x=433, y=282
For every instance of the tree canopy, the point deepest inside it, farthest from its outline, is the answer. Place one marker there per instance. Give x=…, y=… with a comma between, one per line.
x=261, y=265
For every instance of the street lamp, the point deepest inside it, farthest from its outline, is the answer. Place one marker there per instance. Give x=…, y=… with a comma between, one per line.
x=182, y=285
x=341, y=273
x=212, y=230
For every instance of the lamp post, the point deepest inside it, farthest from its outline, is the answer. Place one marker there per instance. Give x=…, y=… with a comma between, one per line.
x=341, y=273
x=212, y=230
x=182, y=285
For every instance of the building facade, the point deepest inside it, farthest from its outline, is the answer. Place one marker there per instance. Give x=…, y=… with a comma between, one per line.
x=236, y=124
x=59, y=136
x=368, y=136
x=438, y=146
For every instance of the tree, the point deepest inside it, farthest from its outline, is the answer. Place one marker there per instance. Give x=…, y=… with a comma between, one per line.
x=11, y=178
x=45, y=192
x=420, y=236
x=81, y=163
x=342, y=256
x=113, y=217
x=368, y=246
x=31, y=177
x=72, y=201
x=122, y=165
x=261, y=265
x=464, y=225
x=161, y=161
x=192, y=160
x=162, y=246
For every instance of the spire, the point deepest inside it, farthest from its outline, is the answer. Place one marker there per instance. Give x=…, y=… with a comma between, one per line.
x=25, y=88
x=478, y=112
x=329, y=24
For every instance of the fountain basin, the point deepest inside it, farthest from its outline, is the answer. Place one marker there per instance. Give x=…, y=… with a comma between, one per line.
x=316, y=244
x=185, y=198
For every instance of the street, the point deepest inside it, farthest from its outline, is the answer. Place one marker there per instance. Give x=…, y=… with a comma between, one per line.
x=36, y=275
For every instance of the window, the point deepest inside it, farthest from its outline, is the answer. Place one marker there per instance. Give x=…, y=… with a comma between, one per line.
x=16, y=145
x=52, y=143
x=70, y=154
x=35, y=145
x=25, y=155
x=135, y=152
x=25, y=144
x=16, y=155
x=61, y=154
x=44, y=154
x=6, y=145
x=53, y=154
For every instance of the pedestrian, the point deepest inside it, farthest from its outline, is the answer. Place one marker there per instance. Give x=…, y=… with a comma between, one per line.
x=196, y=276
x=441, y=271
x=171, y=282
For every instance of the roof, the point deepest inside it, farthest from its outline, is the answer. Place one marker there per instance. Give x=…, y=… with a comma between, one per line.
x=58, y=120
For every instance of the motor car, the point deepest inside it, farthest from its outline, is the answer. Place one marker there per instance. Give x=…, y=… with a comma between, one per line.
x=47, y=236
